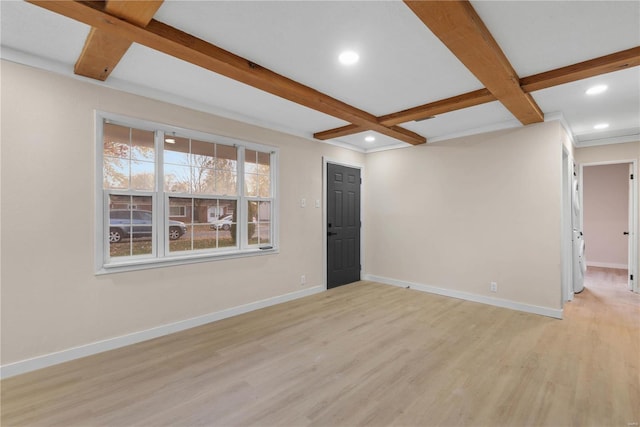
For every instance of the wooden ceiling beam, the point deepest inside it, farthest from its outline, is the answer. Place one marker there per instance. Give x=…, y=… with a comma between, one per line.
x=102, y=51
x=469, y=99
x=338, y=132
x=181, y=45
x=462, y=31
x=454, y=103
x=594, y=67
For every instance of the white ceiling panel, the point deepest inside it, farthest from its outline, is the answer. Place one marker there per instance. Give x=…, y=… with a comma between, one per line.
x=481, y=118
x=30, y=29
x=539, y=36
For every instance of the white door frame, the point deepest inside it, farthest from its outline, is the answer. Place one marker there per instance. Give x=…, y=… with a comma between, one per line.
x=633, y=220
x=325, y=162
x=566, y=231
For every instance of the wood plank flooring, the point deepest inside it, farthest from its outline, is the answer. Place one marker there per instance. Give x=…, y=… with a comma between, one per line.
x=365, y=354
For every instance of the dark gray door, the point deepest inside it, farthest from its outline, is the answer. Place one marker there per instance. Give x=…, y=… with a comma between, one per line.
x=343, y=225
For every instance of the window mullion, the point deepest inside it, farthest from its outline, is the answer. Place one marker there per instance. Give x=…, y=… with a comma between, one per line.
x=243, y=208
x=159, y=238
x=272, y=192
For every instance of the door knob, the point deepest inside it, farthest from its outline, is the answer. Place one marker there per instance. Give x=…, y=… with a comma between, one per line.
x=626, y=233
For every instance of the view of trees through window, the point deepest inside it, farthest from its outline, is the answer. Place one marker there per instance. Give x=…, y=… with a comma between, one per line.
x=192, y=195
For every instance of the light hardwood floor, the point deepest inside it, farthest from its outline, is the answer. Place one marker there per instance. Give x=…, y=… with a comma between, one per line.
x=363, y=354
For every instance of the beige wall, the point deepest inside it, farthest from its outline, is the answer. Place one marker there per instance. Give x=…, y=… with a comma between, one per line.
x=463, y=213
x=51, y=299
x=455, y=215
x=605, y=190
x=610, y=153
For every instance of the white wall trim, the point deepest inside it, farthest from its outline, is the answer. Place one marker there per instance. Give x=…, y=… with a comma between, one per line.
x=338, y=143
x=388, y=147
x=606, y=265
x=508, y=124
x=39, y=362
x=608, y=141
x=566, y=226
x=498, y=302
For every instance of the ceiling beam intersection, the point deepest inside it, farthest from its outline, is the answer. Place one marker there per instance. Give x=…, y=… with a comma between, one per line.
x=103, y=51
x=461, y=30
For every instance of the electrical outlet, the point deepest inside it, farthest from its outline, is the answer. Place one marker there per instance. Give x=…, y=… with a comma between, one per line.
x=493, y=287
x=303, y=280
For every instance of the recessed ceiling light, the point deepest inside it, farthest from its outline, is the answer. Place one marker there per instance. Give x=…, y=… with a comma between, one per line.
x=595, y=90
x=348, y=57
x=601, y=126
x=370, y=138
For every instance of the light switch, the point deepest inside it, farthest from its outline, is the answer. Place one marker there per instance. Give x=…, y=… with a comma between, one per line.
x=303, y=203
x=317, y=203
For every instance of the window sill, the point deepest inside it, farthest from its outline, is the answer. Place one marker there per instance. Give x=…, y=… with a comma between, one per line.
x=145, y=264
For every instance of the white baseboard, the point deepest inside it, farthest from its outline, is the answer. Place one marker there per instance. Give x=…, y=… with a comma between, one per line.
x=528, y=308
x=607, y=265
x=28, y=365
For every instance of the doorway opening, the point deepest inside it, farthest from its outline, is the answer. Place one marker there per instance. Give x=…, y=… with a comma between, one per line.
x=609, y=220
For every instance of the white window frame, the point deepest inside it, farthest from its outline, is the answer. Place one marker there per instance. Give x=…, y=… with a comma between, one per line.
x=161, y=256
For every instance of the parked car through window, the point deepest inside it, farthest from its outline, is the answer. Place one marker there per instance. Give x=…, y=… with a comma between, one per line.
x=137, y=223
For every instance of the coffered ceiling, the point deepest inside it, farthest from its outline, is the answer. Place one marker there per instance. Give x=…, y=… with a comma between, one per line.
x=475, y=66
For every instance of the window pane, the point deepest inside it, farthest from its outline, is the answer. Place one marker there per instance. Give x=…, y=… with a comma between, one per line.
x=180, y=233
x=226, y=157
x=115, y=173
x=128, y=158
x=130, y=225
x=226, y=226
x=204, y=233
x=142, y=176
x=250, y=161
x=226, y=183
x=257, y=185
x=264, y=185
x=202, y=154
x=176, y=152
x=210, y=224
x=204, y=180
x=250, y=184
x=116, y=141
x=115, y=156
x=257, y=174
x=142, y=145
x=259, y=225
x=264, y=160
x=177, y=179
